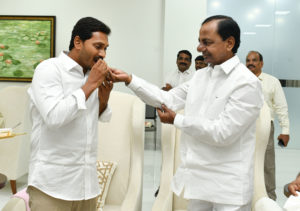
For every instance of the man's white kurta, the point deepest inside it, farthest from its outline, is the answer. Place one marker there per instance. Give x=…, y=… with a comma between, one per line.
x=175, y=78
x=218, y=130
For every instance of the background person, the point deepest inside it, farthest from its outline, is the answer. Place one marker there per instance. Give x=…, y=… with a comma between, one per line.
x=200, y=63
x=294, y=186
x=183, y=73
x=275, y=98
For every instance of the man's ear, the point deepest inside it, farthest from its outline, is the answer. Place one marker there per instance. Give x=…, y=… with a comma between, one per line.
x=77, y=42
x=230, y=43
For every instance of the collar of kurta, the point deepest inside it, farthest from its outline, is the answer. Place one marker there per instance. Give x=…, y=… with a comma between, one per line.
x=68, y=63
x=185, y=72
x=261, y=77
x=227, y=66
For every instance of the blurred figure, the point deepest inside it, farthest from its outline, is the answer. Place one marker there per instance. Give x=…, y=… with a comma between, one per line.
x=275, y=98
x=182, y=74
x=200, y=63
x=294, y=186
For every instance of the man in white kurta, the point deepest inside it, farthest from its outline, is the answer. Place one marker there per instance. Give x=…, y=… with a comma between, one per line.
x=68, y=95
x=183, y=73
x=175, y=78
x=222, y=103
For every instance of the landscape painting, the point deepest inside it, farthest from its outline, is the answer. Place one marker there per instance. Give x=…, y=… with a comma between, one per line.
x=25, y=41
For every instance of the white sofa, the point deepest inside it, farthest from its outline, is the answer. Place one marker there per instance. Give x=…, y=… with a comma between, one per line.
x=170, y=139
x=14, y=152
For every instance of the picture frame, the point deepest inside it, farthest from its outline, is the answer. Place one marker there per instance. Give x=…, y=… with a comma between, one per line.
x=25, y=41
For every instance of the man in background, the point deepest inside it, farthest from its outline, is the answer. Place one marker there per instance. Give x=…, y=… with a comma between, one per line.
x=200, y=63
x=183, y=73
x=275, y=98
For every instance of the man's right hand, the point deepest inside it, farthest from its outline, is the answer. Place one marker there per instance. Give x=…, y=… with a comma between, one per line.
x=96, y=77
x=167, y=87
x=98, y=73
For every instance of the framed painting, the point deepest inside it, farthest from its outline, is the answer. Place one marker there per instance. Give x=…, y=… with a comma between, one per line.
x=25, y=41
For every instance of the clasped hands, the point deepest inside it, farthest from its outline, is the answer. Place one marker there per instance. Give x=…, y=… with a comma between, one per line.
x=99, y=78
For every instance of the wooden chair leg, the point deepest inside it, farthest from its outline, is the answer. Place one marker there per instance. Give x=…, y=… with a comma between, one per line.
x=13, y=185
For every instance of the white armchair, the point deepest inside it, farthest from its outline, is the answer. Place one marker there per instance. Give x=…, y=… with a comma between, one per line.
x=166, y=200
x=261, y=201
x=170, y=140
x=14, y=152
x=122, y=140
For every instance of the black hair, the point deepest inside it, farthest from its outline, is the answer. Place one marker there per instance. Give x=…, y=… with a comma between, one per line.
x=199, y=58
x=85, y=27
x=227, y=27
x=185, y=52
x=259, y=54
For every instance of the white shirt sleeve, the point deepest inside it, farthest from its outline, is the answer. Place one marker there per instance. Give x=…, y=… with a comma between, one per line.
x=241, y=110
x=154, y=96
x=48, y=96
x=281, y=108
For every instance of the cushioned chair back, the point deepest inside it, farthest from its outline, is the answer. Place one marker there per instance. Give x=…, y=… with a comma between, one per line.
x=118, y=142
x=14, y=152
x=263, y=125
x=179, y=203
x=261, y=201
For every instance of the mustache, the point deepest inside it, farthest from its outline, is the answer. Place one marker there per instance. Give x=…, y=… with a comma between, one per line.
x=182, y=63
x=250, y=65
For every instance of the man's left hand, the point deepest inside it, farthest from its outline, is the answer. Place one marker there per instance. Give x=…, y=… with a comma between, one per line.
x=103, y=93
x=285, y=138
x=166, y=115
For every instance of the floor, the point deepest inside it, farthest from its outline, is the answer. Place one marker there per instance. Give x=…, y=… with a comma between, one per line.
x=287, y=161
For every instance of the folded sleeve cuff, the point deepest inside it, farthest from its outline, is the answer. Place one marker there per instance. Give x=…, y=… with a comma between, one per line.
x=285, y=131
x=80, y=99
x=133, y=85
x=178, y=121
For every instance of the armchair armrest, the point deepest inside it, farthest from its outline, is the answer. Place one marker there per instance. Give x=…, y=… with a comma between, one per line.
x=164, y=200
x=133, y=198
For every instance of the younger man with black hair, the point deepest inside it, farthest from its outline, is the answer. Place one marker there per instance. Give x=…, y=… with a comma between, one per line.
x=68, y=94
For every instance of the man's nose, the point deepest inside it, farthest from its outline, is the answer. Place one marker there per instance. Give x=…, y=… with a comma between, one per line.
x=102, y=53
x=200, y=48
